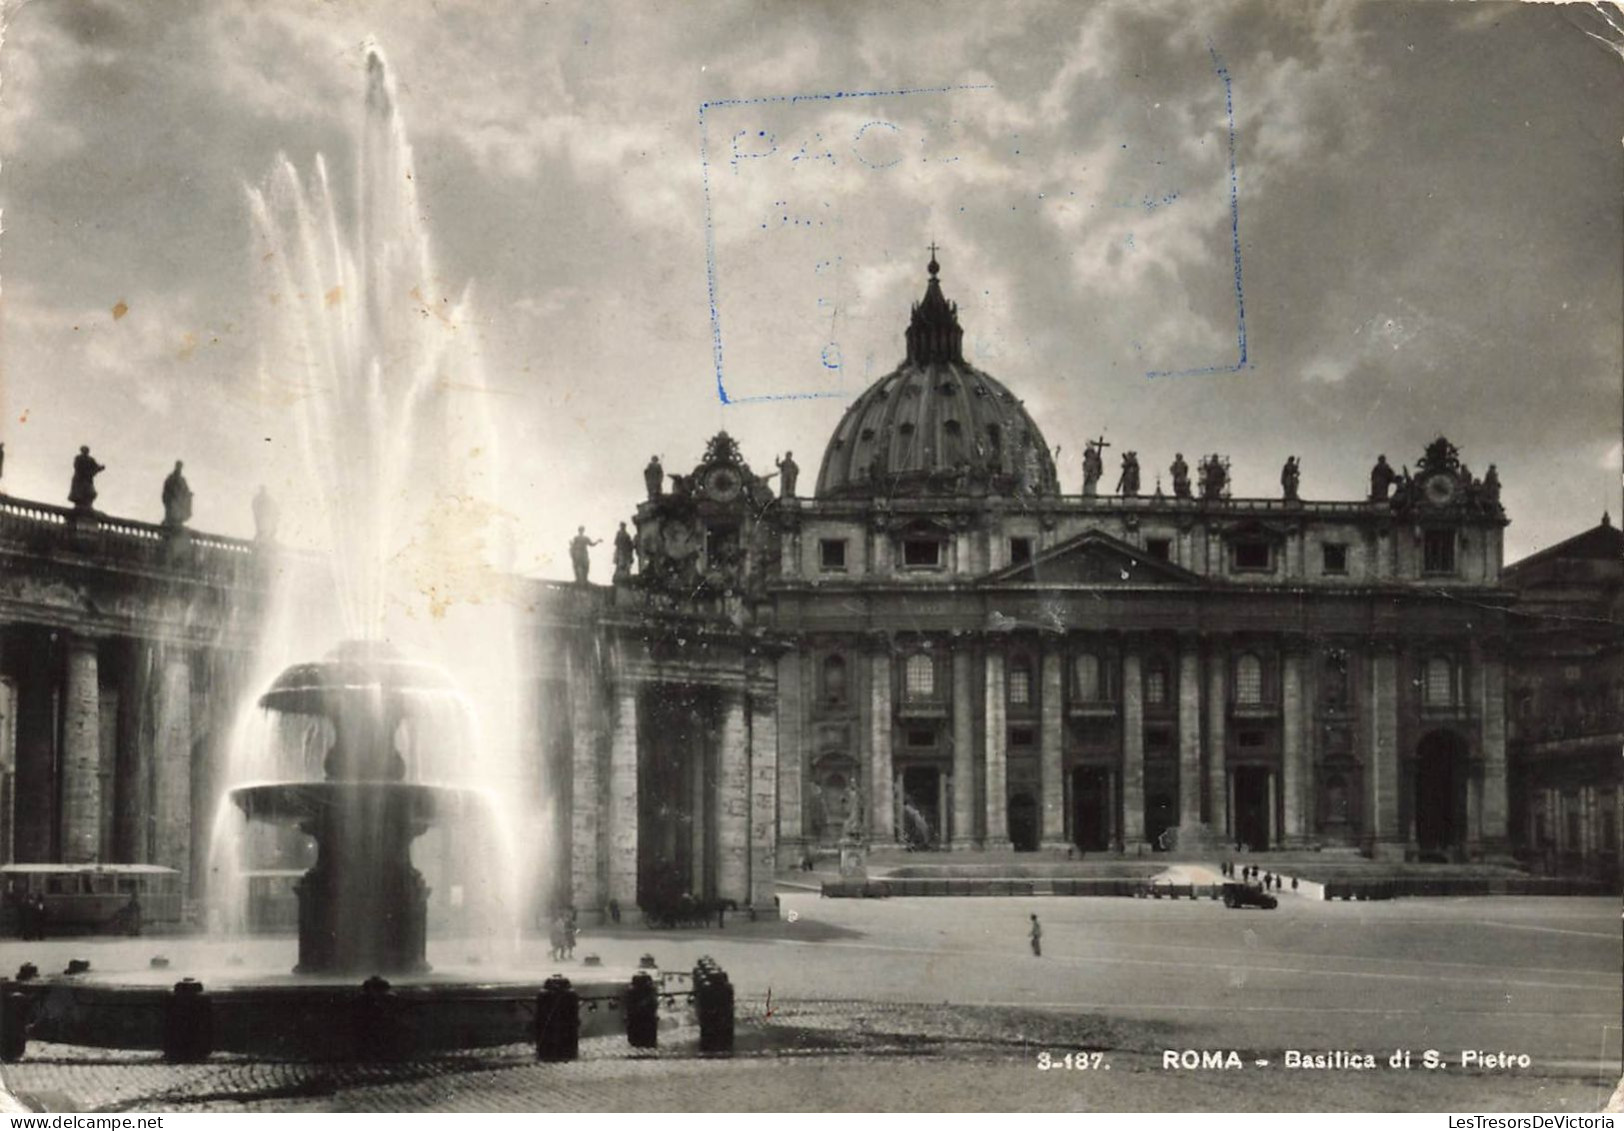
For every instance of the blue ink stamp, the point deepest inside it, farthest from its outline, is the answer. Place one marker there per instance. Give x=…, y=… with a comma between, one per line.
x=801, y=193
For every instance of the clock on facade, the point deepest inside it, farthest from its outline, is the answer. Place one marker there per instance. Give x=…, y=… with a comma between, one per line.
x=1441, y=489
x=722, y=484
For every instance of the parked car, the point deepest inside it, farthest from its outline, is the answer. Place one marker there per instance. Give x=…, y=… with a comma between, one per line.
x=1245, y=895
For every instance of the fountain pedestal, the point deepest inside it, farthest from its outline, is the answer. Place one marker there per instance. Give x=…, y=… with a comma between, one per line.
x=363, y=908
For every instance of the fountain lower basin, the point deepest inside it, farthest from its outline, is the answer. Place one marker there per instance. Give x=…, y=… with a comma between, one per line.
x=318, y=1018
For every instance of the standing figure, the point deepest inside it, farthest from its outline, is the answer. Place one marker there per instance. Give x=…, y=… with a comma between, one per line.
x=82, y=492
x=266, y=515
x=177, y=498
x=1381, y=479
x=788, y=471
x=1036, y=935
x=1093, y=468
x=624, y=547
x=1491, y=486
x=2, y=459
x=1290, y=476
x=1213, y=477
x=1181, y=477
x=1128, y=481
x=579, y=557
x=654, y=477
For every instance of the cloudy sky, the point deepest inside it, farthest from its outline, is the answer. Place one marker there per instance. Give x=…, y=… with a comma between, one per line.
x=1426, y=196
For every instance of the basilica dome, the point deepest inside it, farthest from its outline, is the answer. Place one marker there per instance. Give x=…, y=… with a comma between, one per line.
x=936, y=425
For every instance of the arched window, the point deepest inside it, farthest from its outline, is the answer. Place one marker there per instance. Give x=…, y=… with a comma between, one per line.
x=1020, y=681
x=1156, y=683
x=1086, y=677
x=1438, y=682
x=834, y=679
x=1248, y=680
x=919, y=678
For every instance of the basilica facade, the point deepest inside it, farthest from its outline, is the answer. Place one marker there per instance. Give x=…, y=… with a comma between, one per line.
x=936, y=647
x=940, y=648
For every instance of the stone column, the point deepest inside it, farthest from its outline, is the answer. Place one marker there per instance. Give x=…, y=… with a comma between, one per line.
x=81, y=756
x=1495, y=808
x=1382, y=826
x=997, y=751
x=763, y=801
x=1133, y=752
x=35, y=791
x=1189, y=701
x=587, y=889
x=964, y=748
x=1051, y=740
x=1293, y=755
x=1274, y=809
x=172, y=765
x=733, y=795
x=622, y=830
x=881, y=801
x=1217, y=756
x=107, y=773
x=791, y=759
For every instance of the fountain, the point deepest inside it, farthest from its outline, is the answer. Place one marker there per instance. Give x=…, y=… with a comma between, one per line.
x=363, y=908
x=377, y=366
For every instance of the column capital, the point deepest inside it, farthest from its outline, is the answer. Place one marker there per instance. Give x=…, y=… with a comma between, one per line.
x=81, y=641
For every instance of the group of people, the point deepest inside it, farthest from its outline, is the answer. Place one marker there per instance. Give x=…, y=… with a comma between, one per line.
x=561, y=934
x=1249, y=874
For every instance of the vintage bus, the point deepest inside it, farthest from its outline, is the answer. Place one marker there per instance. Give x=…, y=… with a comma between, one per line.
x=91, y=897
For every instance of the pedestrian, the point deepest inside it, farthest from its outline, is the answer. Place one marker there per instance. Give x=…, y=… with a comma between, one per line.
x=569, y=934
x=1294, y=883
x=614, y=910
x=555, y=935
x=1037, y=937
x=38, y=916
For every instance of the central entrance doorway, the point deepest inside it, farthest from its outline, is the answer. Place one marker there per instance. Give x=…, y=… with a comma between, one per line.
x=1252, y=806
x=678, y=728
x=1091, y=808
x=921, y=825
x=1441, y=769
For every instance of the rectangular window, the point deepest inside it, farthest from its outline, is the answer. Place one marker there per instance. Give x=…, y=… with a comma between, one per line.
x=1335, y=557
x=1090, y=688
x=1156, y=686
x=1439, y=689
x=1252, y=554
x=1020, y=551
x=1249, y=738
x=1438, y=551
x=832, y=554
x=1020, y=685
x=1158, y=739
x=919, y=737
x=1159, y=549
x=919, y=678
x=1020, y=736
x=921, y=553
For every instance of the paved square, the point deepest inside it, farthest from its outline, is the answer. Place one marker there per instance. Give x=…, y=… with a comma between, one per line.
x=937, y=1004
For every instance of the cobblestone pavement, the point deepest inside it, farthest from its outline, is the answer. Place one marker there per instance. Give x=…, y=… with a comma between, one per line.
x=848, y=1026
x=813, y=1056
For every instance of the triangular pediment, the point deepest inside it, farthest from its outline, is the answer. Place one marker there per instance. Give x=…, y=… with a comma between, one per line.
x=1094, y=558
